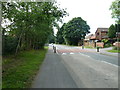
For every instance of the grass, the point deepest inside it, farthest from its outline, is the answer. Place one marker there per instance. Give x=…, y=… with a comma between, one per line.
x=114, y=51
x=19, y=71
x=89, y=47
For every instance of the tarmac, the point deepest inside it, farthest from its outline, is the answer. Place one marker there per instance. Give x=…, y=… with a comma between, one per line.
x=71, y=71
x=104, y=51
x=53, y=73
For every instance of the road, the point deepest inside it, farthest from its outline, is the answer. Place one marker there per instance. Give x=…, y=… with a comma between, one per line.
x=73, y=67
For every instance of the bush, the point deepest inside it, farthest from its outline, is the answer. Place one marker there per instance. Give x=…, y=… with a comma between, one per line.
x=116, y=48
x=108, y=45
x=9, y=45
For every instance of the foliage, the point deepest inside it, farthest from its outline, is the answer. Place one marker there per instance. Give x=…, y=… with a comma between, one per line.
x=116, y=48
x=89, y=47
x=51, y=38
x=114, y=51
x=20, y=71
x=115, y=7
x=10, y=44
x=117, y=27
x=105, y=41
x=108, y=45
x=31, y=23
x=112, y=31
x=59, y=38
x=75, y=30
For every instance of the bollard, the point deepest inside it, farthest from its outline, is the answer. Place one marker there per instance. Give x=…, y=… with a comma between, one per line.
x=82, y=46
x=54, y=49
x=97, y=49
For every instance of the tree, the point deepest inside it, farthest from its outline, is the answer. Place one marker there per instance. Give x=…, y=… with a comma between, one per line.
x=115, y=7
x=51, y=38
x=31, y=23
x=59, y=37
x=75, y=30
x=112, y=31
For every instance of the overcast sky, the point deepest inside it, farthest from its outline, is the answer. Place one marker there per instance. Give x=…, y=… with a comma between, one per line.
x=95, y=12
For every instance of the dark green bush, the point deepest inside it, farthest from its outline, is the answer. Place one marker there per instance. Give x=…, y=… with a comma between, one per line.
x=9, y=45
x=116, y=48
x=108, y=45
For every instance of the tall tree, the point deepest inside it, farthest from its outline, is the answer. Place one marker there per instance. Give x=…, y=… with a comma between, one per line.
x=115, y=7
x=75, y=31
x=59, y=37
x=112, y=31
x=31, y=22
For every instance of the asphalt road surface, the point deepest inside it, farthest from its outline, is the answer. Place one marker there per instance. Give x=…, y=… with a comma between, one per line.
x=73, y=67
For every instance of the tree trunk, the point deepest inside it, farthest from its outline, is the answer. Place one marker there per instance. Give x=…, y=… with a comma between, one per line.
x=18, y=45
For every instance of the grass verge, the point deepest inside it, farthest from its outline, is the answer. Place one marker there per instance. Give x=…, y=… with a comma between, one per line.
x=89, y=47
x=114, y=51
x=19, y=71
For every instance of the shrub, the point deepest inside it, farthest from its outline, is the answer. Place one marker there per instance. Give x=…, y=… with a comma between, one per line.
x=9, y=45
x=108, y=45
x=105, y=41
x=116, y=48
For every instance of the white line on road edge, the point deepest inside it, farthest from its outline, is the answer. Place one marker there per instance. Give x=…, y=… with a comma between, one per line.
x=100, y=60
x=71, y=53
x=84, y=54
x=63, y=53
x=109, y=63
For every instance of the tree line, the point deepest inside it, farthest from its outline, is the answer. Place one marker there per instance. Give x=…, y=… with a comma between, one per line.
x=28, y=25
x=73, y=32
x=115, y=28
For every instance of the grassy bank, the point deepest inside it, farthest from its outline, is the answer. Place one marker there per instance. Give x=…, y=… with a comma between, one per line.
x=19, y=71
x=114, y=51
x=89, y=47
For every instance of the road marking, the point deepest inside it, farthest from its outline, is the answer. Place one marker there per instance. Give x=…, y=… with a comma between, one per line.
x=71, y=53
x=109, y=63
x=64, y=53
x=100, y=60
x=84, y=54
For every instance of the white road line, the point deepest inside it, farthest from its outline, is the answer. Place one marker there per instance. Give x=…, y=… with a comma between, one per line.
x=84, y=54
x=64, y=53
x=56, y=50
x=71, y=53
x=109, y=63
x=100, y=60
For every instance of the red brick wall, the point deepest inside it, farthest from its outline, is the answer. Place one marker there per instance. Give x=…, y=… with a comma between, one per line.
x=90, y=44
x=100, y=44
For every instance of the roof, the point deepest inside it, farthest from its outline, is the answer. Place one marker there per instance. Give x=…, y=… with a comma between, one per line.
x=91, y=36
x=102, y=29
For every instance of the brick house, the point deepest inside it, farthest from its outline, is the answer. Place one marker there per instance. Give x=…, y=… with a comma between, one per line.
x=101, y=33
x=90, y=40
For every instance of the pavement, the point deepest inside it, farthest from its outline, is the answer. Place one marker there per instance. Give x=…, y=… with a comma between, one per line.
x=73, y=67
x=53, y=73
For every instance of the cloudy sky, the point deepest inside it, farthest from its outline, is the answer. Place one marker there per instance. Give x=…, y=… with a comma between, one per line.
x=95, y=12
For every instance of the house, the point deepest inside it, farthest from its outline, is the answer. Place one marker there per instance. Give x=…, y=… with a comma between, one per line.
x=90, y=40
x=101, y=33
